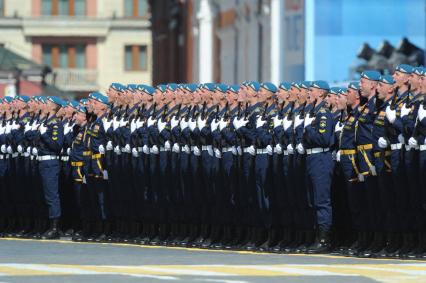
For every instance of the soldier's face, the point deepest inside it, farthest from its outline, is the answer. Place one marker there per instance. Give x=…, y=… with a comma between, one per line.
x=401, y=78
x=80, y=118
x=368, y=87
x=341, y=101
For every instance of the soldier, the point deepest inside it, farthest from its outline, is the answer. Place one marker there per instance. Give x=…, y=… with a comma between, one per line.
x=48, y=149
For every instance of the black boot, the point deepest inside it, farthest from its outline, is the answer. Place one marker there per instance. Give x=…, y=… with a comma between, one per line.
x=53, y=232
x=322, y=243
x=409, y=244
x=375, y=247
x=392, y=251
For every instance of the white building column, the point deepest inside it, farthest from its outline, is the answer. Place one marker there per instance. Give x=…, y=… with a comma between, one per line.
x=205, y=45
x=277, y=41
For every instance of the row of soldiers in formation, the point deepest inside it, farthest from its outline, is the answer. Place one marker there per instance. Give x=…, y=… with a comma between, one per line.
x=298, y=168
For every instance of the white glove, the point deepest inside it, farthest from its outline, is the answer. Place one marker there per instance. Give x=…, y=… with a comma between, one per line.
x=68, y=128
x=278, y=148
x=339, y=127
x=298, y=121
x=390, y=115
x=9, y=149
x=421, y=113
x=115, y=124
x=239, y=150
x=139, y=123
x=117, y=149
x=277, y=121
x=154, y=149
x=109, y=145
x=236, y=122
x=300, y=148
x=123, y=122
x=242, y=123
x=287, y=123
x=35, y=151
x=234, y=150
x=69, y=151
x=382, y=142
x=338, y=154
x=3, y=148
x=290, y=149
x=135, y=152
x=20, y=149
x=127, y=148
x=183, y=124
x=107, y=124
x=42, y=129
x=269, y=149
x=210, y=150
x=201, y=123
x=214, y=125
x=15, y=126
x=28, y=150
x=217, y=153
x=308, y=120
x=192, y=124
x=251, y=150
x=222, y=124
x=167, y=145
x=2, y=130
x=145, y=149
x=176, y=148
x=174, y=122
x=260, y=122
x=404, y=110
x=27, y=127
x=413, y=142
x=186, y=149
x=133, y=126
x=34, y=126
x=401, y=139
x=151, y=121
x=161, y=125
x=196, y=151
x=101, y=149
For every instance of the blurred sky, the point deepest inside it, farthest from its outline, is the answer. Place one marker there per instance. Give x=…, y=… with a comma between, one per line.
x=341, y=26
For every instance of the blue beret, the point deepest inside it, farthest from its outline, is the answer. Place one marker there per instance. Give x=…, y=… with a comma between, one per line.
x=99, y=97
x=255, y=86
x=222, y=87
x=334, y=90
x=295, y=84
x=404, y=68
x=162, y=88
x=321, y=85
x=132, y=87
x=343, y=90
x=269, y=86
x=234, y=88
x=56, y=100
x=420, y=71
x=117, y=86
x=42, y=99
x=209, y=86
x=23, y=98
x=285, y=86
x=354, y=85
x=73, y=104
x=148, y=89
x=140, y=87
x=181, y=86
x=83, y=101
x=246, y=83
x=81, y=109
x=191, y=87
x=371, y=75
x=387, y=79
x=8, y=99
x=305, y=84
x=172, y=86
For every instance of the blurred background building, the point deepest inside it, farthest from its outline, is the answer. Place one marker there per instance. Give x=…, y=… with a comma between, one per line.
x=77, y=46
x=86, y=43
x=283, y=40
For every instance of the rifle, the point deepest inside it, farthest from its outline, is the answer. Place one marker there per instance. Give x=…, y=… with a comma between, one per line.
x=203, y=112
x=416, y=125
x=239, y=110
x=394, y=99
x=302, y=112
x=226, y=115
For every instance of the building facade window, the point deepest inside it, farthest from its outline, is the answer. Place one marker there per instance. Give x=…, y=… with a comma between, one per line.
x=135, y=58
x=64, y=55
x=135, y=8
x=63, y=7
